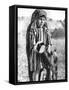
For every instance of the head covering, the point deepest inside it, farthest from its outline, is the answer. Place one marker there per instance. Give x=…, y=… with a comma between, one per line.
x=37, y=14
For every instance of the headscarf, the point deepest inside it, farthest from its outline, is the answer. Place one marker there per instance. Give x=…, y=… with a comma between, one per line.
x=37, y=14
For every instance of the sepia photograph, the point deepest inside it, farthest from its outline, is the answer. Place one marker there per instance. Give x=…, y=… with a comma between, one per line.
x=41, y=45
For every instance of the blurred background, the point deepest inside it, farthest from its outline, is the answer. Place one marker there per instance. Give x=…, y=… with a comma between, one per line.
x=56, y=26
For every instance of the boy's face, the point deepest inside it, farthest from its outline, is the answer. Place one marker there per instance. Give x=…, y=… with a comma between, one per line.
x=41, y=21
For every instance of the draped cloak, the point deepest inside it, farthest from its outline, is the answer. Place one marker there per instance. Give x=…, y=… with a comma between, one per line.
x=34, y=35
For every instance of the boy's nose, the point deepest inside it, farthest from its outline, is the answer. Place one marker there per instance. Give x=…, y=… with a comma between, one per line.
x=42, y=21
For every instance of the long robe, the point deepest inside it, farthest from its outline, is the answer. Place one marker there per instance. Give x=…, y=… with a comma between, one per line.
x=33, y=36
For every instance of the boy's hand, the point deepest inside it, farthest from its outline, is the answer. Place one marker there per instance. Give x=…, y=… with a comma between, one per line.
x=35, y=46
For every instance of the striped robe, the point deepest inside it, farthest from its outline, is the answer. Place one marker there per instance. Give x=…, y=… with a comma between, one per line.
x=33, y=36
